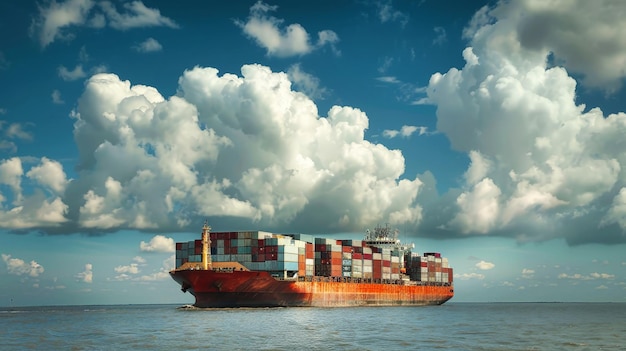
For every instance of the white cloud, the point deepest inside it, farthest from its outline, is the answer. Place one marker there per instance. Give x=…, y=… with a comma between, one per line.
x=527, y=273
x=309, y=84
x=484, y=265
x=56, y=97
x=158, y=243
x=542, y=165
x=41, y=208
x=55, y=19
x=76, y=73
x=49, y=174
x=149, y=45
x=468, y=276
x=132, y=268
x=139, y=259
x=137, y=15
x=17, y=131
x=592, y=276
x=600, y=25
x=290, y=41
x=406, y=131
x=18, y=266
x=387, y=13
x=441, y=36
x=388, y=79
x=267, y=159
x=86, y=275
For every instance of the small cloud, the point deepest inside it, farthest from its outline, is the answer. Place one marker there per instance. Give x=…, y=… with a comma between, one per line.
x=18, y=266
x=440, y=37
x=602, y=287
x=56, y=97
x=592, y=276
x=406, y=131
x=468, y=276
x=484, y=265
x=139, y=259
x=292, y=40
x=76, y=73
x=527, y=273
x=158, y=243
x=149, y=45
x=132, y=268
x=87, y=275
x=16, y=131
x=388, y=79
x=507, y=283
x=387, y=62
x=386, y=13
x=136, y=15
x=308, y=83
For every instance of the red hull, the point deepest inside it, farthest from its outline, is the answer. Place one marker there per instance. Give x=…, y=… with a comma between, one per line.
x=259, y=289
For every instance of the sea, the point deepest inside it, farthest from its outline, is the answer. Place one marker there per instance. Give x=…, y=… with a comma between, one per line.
x=452, y=326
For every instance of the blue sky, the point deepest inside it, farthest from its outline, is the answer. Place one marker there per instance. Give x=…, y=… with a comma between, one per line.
x=491, y=132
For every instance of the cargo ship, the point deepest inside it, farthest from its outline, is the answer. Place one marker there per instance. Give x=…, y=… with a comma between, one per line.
x=261, y=269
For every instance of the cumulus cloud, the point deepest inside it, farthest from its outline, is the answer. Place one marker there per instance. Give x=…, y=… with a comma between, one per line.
x=56, y=19
x=246, y=149
x=149, y=45
x=542, y=166
x=42, y=206
x=292, y=40
x=484, y=265
x=18, y=266
x=162, y=273
x=158, y=243
x=86, y=275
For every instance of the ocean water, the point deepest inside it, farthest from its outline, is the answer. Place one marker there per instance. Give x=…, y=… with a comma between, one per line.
x=452, y=326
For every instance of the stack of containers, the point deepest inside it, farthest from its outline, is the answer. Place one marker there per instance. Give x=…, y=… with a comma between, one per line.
x=306, y=255
x=346, y=259
x=327, y=258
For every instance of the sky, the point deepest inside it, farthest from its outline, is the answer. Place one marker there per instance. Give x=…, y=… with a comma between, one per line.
x=489, y=131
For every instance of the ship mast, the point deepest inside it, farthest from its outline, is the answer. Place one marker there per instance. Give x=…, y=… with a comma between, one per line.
x=206, y=247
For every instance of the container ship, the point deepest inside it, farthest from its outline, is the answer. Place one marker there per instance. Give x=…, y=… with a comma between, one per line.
x=261, y=269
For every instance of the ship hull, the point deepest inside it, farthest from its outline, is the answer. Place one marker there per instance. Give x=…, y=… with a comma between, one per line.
x=259, y=289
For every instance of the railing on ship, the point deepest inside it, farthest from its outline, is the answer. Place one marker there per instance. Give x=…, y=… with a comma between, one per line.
x=367, y=280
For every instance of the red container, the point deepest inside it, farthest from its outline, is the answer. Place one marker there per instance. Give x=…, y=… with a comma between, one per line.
x=386, y=263
x=357, y=256
x=179, y=246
